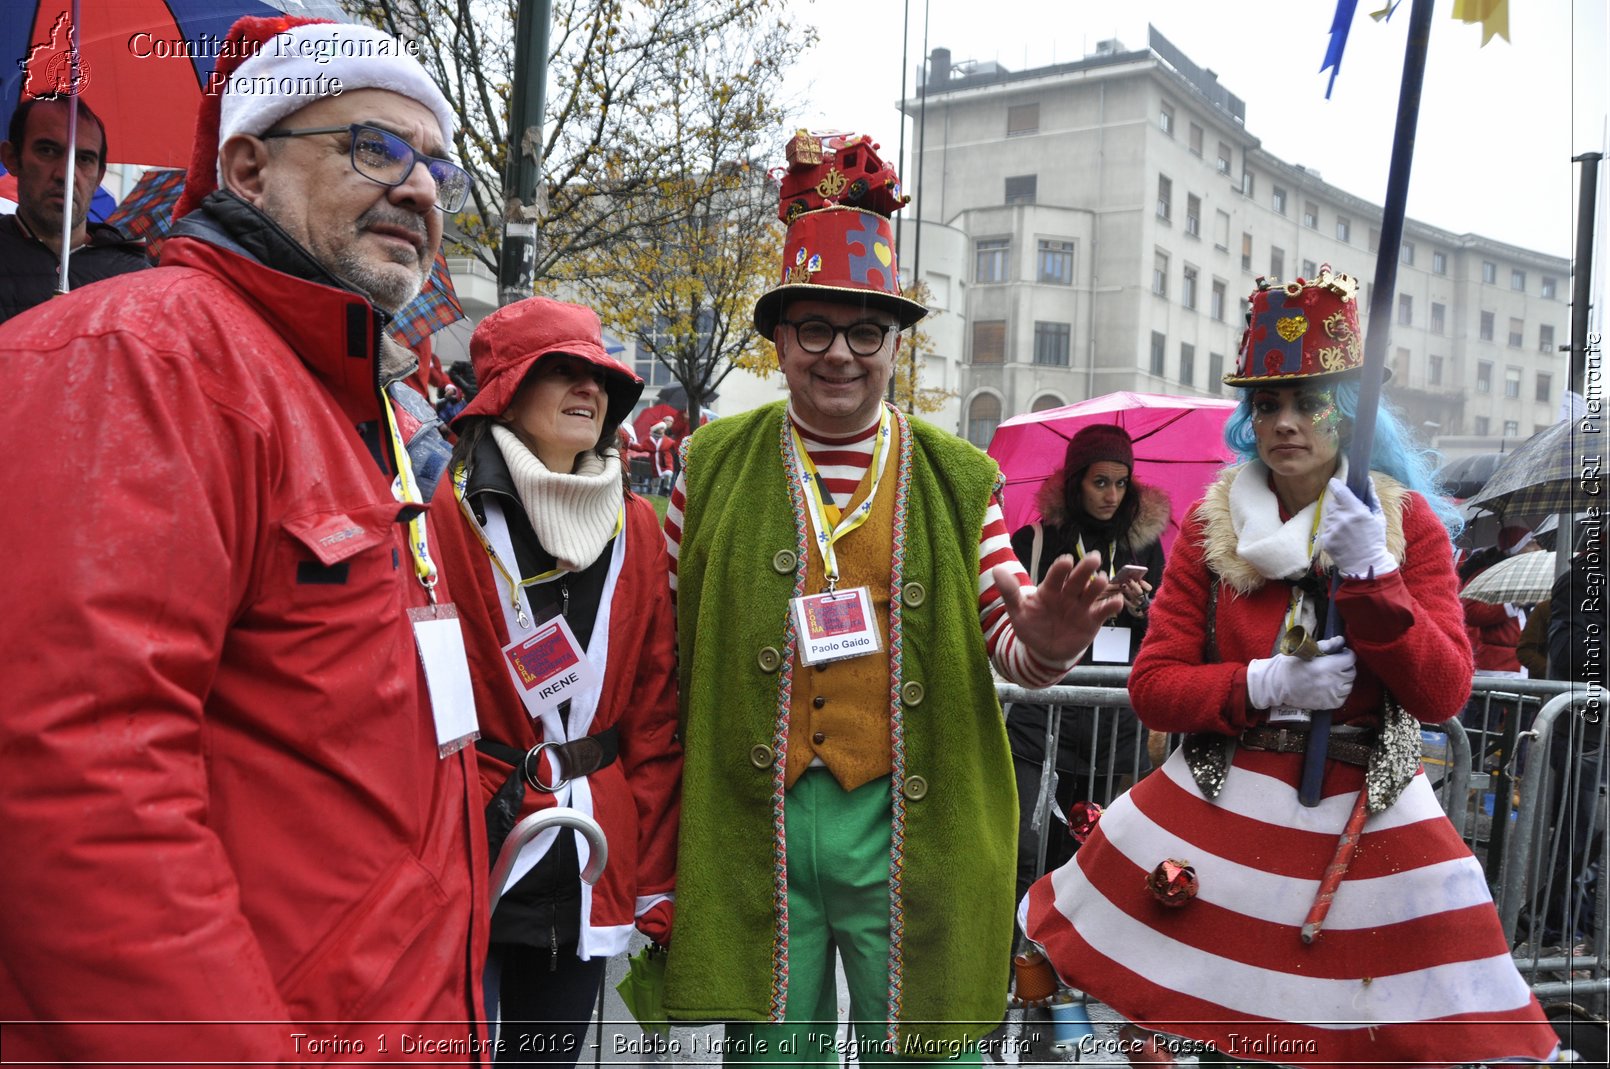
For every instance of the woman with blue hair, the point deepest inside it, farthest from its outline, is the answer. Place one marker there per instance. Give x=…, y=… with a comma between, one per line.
x=1197, y=905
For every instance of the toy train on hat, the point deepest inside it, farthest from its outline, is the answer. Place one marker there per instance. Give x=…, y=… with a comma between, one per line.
x=836, y=197
x=837, y=169
x=1300, y=331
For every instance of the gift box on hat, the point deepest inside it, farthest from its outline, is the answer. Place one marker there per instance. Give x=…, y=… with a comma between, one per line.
x=828, y=169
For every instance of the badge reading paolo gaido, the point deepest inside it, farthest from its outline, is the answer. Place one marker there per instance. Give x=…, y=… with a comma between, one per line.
x=549, y=666
x=837, y=625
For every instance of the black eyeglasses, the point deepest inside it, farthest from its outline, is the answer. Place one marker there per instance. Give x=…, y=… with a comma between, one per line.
x=864, y=337
x=383, y=157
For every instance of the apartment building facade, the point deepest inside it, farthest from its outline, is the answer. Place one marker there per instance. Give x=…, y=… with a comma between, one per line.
x=1113, y=213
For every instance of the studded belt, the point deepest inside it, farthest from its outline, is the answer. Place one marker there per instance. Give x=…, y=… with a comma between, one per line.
x=1350, y=748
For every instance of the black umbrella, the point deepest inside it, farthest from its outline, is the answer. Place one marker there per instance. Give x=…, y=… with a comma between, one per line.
x=1466, y=476
x=1558, y=469
x=677, y=397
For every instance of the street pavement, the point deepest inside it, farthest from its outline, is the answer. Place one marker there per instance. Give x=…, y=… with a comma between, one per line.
x=615, y=1039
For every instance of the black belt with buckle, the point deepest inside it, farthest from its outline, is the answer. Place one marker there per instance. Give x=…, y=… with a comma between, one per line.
x=1351, y=747
x=574, y=759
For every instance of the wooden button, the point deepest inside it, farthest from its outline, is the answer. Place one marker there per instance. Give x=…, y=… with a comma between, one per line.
x=784, y=561
x=818, y=702
x=769, y=659
x=819, y=738
x=915, y=788
x=911, y=693
x=914, y=594
x=761, y=756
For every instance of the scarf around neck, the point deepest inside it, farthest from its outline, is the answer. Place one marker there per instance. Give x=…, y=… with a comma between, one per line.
x=1277, y=549
x=572, y=513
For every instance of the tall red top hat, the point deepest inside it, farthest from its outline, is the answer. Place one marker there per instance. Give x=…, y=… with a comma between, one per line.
x=1300, y=332
x=840, y=246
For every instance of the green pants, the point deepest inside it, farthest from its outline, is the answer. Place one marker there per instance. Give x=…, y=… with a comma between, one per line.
x=838, y=899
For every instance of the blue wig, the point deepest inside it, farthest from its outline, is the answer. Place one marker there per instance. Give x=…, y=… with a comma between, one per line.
x=1395, y=453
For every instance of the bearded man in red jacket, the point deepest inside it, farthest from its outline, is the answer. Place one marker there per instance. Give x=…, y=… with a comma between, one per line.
x=234, y=809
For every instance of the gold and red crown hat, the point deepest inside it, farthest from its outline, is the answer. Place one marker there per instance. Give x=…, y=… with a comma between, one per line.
x=1302, y=331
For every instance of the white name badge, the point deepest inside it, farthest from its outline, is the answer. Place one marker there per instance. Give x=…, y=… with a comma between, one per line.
x=1111, y=646
x=440, y=642
x=832, y=627
x=548, y=666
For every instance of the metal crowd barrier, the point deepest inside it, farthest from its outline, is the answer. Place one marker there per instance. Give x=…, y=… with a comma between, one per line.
x=1533, y=803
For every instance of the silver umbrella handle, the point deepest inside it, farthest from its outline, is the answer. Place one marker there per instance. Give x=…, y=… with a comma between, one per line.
x=530, y=827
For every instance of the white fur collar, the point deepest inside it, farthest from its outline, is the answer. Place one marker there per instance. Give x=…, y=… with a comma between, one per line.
x=1278, y=550
x=1244, y=541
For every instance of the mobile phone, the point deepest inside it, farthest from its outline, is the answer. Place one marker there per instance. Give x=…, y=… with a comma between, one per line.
x=1129, y=572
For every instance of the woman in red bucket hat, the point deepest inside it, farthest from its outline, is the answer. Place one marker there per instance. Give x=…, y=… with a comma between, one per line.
x=570, y=647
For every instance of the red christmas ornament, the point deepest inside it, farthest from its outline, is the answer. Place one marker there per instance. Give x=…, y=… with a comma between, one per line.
x=1173, y=883
x=1082, y=817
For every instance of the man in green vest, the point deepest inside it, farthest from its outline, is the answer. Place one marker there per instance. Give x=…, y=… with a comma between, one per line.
x=846, y=581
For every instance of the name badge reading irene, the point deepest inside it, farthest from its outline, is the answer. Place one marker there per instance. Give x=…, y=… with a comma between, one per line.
x=549, y=666
x=834, y=626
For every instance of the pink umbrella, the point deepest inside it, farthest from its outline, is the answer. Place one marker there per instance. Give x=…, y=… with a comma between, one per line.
x=1179, y=447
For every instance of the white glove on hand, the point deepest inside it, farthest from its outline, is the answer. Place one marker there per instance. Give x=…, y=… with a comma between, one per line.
x=1291, y=682
x=1353, y=535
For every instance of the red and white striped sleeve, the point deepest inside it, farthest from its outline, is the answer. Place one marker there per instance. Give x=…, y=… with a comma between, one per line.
x=673, y=522
x=1012, y=659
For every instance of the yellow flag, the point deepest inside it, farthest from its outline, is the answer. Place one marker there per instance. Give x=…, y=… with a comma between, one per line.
x=1492, y=14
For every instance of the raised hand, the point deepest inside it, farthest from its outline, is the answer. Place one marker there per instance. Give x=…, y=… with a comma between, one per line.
x=1058, y=619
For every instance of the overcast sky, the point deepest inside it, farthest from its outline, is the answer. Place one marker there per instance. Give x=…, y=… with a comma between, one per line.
x=1498, y=125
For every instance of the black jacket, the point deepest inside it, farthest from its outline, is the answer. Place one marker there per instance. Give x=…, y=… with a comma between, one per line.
x=29, y=270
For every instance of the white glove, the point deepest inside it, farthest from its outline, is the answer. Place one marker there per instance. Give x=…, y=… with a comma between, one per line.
x=1291, y=682
x=1353, y=535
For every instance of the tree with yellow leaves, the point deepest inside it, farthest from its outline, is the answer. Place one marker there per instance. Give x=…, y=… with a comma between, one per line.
x=621, y=78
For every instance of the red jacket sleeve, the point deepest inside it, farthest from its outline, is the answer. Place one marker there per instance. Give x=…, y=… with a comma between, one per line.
x=650, y=752
x=1407, y=627
x=1481, y=614
x=130, y=552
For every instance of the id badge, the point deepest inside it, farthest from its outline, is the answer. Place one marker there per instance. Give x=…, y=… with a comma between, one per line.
x=440, y=642
x=1283, y=715
x=1111, y=646
x=834, y=626
x=549, y=666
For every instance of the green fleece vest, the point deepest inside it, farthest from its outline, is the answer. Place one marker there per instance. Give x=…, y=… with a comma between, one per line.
x=953, y=802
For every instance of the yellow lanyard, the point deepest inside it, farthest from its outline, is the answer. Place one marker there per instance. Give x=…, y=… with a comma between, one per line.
x=408, y=493
x=460, y=480
x=1295, y=610
x=830, y=527
x=1112, y=555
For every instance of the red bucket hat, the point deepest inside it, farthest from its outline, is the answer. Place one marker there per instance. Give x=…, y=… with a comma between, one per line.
x=1300, y=332
x=508, y=343
x=836, y=198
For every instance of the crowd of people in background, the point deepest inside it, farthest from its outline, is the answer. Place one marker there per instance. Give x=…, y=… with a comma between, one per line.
x=309, y=623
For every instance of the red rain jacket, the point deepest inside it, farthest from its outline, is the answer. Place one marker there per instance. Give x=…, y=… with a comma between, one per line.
x=636, y=799
x=221, y=799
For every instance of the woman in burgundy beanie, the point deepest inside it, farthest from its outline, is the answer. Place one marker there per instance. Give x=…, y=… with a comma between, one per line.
x=1092, y=503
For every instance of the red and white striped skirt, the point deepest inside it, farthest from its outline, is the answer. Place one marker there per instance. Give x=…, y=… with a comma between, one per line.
x=1411, y=968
